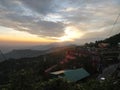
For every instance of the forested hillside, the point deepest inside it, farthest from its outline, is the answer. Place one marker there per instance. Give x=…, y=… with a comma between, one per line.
x=113, y=40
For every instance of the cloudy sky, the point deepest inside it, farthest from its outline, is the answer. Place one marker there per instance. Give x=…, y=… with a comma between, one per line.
x=47, y=21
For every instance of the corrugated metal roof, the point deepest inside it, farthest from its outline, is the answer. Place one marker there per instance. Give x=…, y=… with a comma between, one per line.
x=73, y=75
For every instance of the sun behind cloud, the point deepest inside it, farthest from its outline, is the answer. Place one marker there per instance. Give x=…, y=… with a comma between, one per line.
x=71, y=33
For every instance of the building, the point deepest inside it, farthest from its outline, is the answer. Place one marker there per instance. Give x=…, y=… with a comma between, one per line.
x=73, y=75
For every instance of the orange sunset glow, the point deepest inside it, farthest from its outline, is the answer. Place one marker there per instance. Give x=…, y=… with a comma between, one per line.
x=54, y=21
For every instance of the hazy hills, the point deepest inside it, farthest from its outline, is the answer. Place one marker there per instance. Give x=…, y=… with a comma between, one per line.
x=26, y=53
x=16, y=54
x=33, y=51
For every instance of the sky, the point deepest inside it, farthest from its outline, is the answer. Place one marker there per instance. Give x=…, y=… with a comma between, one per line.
x=32, y=22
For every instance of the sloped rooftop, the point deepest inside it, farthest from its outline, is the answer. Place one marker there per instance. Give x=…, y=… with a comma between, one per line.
x=72, y=75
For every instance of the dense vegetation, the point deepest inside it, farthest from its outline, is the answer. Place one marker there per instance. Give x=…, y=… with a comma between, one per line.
x=113, y=41
x=28, y=74
x=25, y=81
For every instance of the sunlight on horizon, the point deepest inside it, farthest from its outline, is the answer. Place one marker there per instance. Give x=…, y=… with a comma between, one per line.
x=20, y=36
x=11, y=35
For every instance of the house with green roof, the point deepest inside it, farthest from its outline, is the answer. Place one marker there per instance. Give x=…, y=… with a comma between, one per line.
x=71, y=75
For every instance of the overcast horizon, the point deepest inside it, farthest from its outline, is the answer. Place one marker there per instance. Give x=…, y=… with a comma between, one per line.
x=37, y=22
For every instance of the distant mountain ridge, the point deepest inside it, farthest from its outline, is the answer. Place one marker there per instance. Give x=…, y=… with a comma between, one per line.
x=33, y=51
x=27, y=53
x=43, y=49
x=49, y=46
